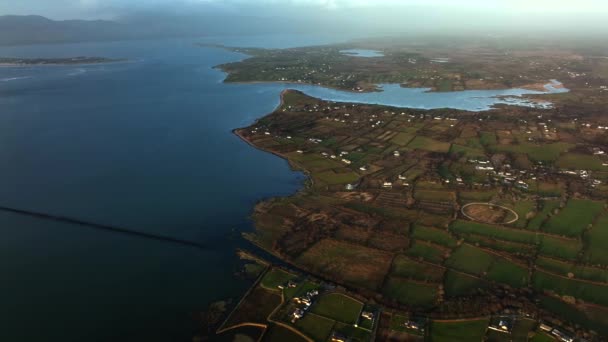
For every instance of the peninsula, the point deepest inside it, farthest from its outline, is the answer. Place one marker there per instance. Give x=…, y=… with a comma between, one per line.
x=56, y=61
x=430, y=223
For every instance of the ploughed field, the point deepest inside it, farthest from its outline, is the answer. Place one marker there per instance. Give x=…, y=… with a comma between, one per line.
x=383, y=211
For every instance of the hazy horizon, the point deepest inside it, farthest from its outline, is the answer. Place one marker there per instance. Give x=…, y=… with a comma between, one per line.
x=366, y=16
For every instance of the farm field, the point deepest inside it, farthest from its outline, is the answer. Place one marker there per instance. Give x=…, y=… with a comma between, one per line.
x=463, y=331
x=338, y=307
x=574, y=218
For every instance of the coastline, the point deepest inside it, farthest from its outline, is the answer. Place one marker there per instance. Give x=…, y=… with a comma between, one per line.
x=293, y=165
x=26, y=65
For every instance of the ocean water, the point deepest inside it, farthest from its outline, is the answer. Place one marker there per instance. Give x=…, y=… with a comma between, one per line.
x=144, y=144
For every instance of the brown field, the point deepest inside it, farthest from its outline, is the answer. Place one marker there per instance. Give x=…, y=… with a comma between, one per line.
x=349, y=263
x=489, y=213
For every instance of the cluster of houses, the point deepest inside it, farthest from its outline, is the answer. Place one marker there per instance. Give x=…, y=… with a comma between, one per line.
x=502, y=324
x=415, y=325
x=559, y=335
x=304, y=303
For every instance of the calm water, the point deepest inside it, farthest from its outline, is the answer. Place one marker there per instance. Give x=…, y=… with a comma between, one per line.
x=144, y=144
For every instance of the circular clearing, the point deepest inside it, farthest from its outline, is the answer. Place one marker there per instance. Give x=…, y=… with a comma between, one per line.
x=489, y=213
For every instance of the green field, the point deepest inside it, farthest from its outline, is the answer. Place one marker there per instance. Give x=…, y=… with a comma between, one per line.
x=575, y=161
x=276, y=277
x=541, y=216
x=338, y=307
x=458, y=284
x=515, y=235
x=434, y=196
x=560, y=248
x=522, y=208
x=332, y=177
x=596, y=241
x=477, y=196
x=438, y=236
x=580, y=272
x=488, y=138
x=402, y=138
x=426, y=251
x=593, y=293
x=543, y=153
x=501, y=245
x=465, y=331
x=574, y=218
x=470, y=259
x=407, y=268
x=411, y=293
x=507, y=272
x=592, y=318
x=316, y=327
x=428, y=144
x=466, y=151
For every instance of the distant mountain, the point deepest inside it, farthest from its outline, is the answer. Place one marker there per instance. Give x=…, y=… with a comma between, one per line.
x=32, y=29
x=16, y=30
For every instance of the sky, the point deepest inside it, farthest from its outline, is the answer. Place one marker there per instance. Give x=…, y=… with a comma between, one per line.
x=377, y=15
x=108, y=9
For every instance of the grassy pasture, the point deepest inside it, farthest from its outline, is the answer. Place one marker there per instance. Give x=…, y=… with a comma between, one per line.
x=470, y=259
x=501, y=245
x=338, y=307
x=428, y=144
x=466, y=151
x=434, y=196
x=549, y=189
x=333, y=177
x=276, y=277
x=539, y=218
x=575, y=161
x=488, y=138
x=560, y=248
x=596, y=241
x=402, y=138
x=574, y=218
x=465, y=331
x=477, y=196
x=407, y=268
x=597, y=294
x=469, y=227
x=507, y=272
x=411, y=293
x=542, y=153
x=426, y=251
x=457, y=284
x=522, y=208
x=580, y=272
x=438, y=236
x=316, y=327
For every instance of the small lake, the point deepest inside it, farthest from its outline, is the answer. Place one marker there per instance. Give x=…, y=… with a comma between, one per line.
x=362, y=53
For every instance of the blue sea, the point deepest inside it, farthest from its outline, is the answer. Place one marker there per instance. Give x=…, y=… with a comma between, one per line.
x=144, y=144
